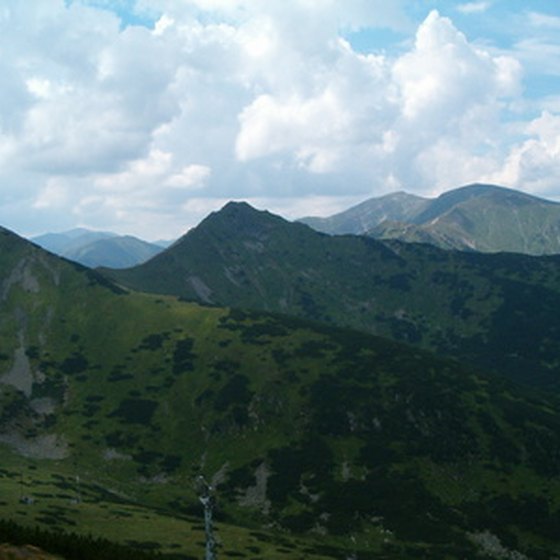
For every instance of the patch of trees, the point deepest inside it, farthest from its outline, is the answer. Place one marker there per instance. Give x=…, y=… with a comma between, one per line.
x=70, y=545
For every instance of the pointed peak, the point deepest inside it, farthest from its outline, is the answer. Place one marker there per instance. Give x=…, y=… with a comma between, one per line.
x=239, y=219
x=242, y=211
x=237, y=207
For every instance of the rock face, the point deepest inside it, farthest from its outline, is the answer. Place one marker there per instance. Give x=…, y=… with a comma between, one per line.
x=20, y=376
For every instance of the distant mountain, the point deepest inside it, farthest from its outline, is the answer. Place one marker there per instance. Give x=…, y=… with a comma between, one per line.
x=74, y=239
x=362, y=218
x=477, y=217
x=93, y=248
x=319, y=442
x=496, y=311
x=114, y=252
x=483, y=218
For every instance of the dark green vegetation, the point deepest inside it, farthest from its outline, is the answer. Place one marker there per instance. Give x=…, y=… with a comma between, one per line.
x=477, y=217
x=69, y=545
x=321, y=441
x=498, y=312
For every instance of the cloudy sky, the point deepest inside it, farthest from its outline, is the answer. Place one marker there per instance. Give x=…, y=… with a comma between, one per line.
x=141, y=116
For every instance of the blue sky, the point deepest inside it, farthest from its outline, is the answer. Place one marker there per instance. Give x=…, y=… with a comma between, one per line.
x=141, y=116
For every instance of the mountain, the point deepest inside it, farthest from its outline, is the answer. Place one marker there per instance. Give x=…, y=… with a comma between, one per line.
x=483, y=218
x=362, y=218
x=496, y=311
x=320, y=442
x=114, y=252
x=94, y=249
x=59, y=243
x=476, y=217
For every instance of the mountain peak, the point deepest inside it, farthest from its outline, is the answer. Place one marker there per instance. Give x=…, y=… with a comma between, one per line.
x=396, y=206
x=470, y=193
x=237, y=206
x=239, y=218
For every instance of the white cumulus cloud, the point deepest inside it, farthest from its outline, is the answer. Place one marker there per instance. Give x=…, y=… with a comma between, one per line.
x=121, y=125
x=534, y=164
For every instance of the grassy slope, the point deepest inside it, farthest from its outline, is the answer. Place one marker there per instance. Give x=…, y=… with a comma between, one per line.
x=497, y=311
x=493, y=219
x=412, y=434
x=363, y=217
x=350, y=440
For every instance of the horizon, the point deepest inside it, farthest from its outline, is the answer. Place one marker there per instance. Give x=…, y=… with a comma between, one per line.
x=141, y=117
x=160, y=240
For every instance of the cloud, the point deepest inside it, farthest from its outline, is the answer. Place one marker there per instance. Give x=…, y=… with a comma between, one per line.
x=92, y=99
x=534, y=164
x=344, y=106
x=540, y=55
x=310, y=14
x=53, y=195
x=538, y=19
x=314, y=129
x=117, y=124
x=402, y=122
x=473, y=7
x=444, y=75
x=190, y=177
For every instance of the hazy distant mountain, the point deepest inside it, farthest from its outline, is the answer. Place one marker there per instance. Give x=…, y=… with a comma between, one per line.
x=499, y=311
x=114, y=252
x=94, y=248
x=74, y=239
x=359, y=219
x=477, y=217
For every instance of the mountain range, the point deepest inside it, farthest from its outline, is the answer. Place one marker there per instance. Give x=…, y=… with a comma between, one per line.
x=495, y=311
x=476, y=217
x=321, y=442
x=96, y=248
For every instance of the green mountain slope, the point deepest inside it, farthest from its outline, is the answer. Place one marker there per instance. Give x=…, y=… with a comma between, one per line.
x=321, y=442
x=363, y=217
x=497, y=311
x=476, y=217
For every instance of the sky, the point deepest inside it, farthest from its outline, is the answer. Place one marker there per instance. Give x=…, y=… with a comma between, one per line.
x=142, y=116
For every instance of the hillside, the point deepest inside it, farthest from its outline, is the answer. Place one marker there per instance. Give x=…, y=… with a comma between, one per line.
x=477, y=217
x=496, y=311
x=360, y=219
x=483, y=218
x=319, y=440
